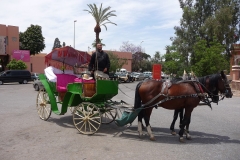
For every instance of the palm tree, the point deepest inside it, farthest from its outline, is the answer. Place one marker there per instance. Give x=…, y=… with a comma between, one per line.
x=101, y=17
x=100, y=41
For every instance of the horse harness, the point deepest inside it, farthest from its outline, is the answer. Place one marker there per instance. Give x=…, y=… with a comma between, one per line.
x=167, y=85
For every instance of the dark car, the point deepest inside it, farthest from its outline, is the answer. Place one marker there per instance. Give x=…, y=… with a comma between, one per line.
x=113, y=76
x=20, y=76
x=126, y=77
x=37, y=85
x=34, y=76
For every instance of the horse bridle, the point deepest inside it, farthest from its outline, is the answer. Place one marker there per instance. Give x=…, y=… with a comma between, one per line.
x=222, y=95
x=227, y=87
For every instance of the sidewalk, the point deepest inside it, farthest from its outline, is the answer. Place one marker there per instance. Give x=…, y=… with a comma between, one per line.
x=236, y=93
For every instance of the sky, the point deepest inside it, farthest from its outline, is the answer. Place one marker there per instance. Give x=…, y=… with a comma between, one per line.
x=145, y=23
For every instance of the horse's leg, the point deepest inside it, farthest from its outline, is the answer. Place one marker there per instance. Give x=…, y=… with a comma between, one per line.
x=188, y=136
x=147, y=115
x=186, y=120
x=181, y=116
x=140, y=117
x=175, y=116
x=181, y=131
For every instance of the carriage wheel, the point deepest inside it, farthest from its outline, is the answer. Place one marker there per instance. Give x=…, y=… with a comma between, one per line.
x=109, y=115
x=87, y=118
x=43, y=105
x=71, y=109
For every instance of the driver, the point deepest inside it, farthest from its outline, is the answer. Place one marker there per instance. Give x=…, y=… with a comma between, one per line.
x=102, y=63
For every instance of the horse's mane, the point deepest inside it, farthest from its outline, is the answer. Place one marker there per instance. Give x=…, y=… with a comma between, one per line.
x=213, y=79
x=175, y=80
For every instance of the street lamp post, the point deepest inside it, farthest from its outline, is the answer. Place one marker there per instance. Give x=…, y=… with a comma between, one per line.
x=74, y=35
x=141, y=46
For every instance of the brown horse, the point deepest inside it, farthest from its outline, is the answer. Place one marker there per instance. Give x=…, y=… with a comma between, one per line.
x=212, y=97
x=185, y=94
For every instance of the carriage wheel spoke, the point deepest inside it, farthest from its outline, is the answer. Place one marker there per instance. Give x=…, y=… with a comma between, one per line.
x=43, y=106
x=79, y=122
x=78, y=118
x=95, y=121
x=93, y=115
x=92, y=125
x=87, y=118
x=79, y=114
x=46, y=110
x=89, y=125
x=109, y=116
x=82, y=125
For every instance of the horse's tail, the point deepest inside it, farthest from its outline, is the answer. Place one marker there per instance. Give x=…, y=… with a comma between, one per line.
x=137, y=101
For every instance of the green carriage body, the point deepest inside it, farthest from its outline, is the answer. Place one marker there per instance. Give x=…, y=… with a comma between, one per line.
x=105, y=90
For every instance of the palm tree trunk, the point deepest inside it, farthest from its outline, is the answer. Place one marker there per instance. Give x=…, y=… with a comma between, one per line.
x=97, y=30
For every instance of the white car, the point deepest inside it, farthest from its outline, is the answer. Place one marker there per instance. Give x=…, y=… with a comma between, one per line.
x=147, y=74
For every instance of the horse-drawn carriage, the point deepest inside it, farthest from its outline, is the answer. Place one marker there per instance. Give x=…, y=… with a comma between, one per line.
x=90, y=101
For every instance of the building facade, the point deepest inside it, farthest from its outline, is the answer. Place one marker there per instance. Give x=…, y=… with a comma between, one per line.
x=9, y=41
x=235, y=67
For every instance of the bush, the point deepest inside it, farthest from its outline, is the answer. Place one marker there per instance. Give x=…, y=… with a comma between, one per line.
x=14, y=64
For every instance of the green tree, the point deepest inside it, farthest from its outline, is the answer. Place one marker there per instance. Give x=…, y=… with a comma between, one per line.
x=157, y=58
x=223, y=26
x=206, y=19
x=209, y=59
x=174, y=62
x=101, y=17
x=116, y=62
x=32, y=39
x=57, y=44
x=14, y=64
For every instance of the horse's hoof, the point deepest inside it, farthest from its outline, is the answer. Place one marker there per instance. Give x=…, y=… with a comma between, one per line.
x=152, y=139
x=173, y=132
x=140, y=136
x=188, y=137
x=181, y=139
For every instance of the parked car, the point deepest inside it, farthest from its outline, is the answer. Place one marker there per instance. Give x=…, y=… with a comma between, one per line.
x=113, y=76
x=20, y=76
x=34, y=76
x=126, y=77
x=139, y=76
x=37, y=85
x=147, y=74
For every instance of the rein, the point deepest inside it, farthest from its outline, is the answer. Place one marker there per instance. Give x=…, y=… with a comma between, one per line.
x=168, y=98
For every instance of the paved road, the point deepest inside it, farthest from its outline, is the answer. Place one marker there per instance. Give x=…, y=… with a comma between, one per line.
x=215, y=133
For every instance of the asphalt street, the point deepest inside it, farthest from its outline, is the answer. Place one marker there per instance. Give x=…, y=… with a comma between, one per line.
x=24, y=136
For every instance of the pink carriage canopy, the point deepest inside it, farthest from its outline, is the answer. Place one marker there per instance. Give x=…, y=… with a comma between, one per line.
x=67, y=57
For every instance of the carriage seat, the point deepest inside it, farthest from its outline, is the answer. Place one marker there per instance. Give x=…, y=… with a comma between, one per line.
x=63, y=80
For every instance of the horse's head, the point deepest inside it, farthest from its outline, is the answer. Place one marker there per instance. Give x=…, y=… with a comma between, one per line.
x=223, y=85
x=220, y=83
x=216, y=83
